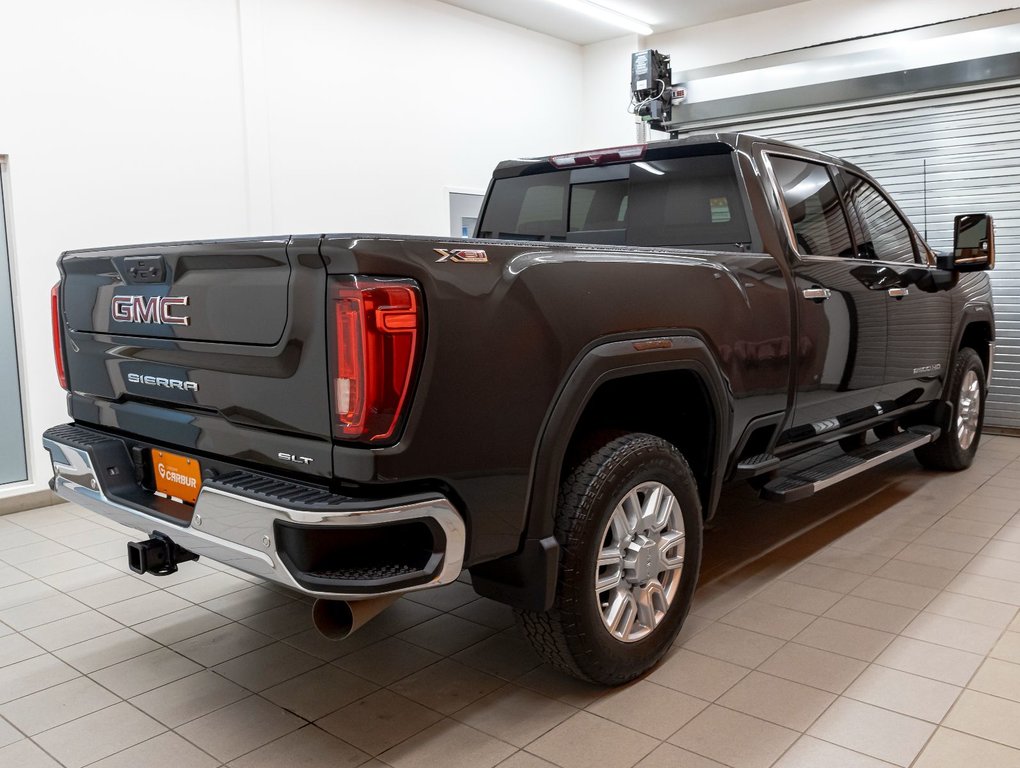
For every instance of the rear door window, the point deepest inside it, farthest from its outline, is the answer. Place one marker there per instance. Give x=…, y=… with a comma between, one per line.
x=884, y=234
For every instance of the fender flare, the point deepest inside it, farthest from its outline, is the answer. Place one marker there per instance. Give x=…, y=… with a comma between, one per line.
x=972, y=313
x=527, y=579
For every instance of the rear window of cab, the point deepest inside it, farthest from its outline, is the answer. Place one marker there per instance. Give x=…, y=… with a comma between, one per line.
x=692, y=201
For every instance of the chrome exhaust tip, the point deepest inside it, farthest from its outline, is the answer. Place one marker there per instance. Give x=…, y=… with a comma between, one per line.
x=338, y=619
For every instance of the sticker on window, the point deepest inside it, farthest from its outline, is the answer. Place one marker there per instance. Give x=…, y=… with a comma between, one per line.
x=720, y=207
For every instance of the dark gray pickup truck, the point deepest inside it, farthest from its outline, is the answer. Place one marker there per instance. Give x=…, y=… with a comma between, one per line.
x=553, y=405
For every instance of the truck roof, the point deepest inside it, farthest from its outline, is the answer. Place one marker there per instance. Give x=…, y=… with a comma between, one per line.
x=697, y=143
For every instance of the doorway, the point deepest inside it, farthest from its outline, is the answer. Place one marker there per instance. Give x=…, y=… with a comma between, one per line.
x=13, y=463
x=464, y=209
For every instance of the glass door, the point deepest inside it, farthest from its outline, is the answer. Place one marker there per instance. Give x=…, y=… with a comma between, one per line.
x=13, y=466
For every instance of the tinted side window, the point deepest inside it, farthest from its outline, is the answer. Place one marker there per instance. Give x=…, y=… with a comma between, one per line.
x=527, y=207
x=885, y=236
x=819, y=223
x=686, y=201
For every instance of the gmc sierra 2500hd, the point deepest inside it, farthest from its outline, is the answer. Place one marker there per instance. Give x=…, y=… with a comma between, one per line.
x=553, y=405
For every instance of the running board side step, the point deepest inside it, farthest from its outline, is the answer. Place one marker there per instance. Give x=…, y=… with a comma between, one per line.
x=805, y=482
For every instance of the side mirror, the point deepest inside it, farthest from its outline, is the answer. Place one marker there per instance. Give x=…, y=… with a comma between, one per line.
x=973, y=244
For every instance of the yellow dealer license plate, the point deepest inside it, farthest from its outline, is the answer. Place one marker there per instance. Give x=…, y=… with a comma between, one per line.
x=176, y=476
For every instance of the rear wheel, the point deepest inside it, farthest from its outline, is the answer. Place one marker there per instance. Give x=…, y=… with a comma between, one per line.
x=961, y=430
x=629, y=525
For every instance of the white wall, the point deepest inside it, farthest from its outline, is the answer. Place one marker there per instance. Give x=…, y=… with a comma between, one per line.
x=607, y=92
x=127, y=121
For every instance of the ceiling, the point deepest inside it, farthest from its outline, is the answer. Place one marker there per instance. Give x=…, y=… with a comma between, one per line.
x=662, y=15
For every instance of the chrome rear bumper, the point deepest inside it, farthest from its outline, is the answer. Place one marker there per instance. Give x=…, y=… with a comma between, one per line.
x=241, y=532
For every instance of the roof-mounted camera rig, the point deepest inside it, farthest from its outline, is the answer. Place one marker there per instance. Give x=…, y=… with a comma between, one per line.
x=653, y=93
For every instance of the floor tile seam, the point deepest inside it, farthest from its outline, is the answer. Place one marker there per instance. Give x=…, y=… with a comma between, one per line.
x=858, y=623
x=934, y=726
x=658, y=742
x=983, y=654
x=979, y=623
x=433, y=725
x=759, y=670
x=936, y=723
x=165, y=730
x=241, y=619
x=17, y=728
x=971, y=556
x=576, y=709
x=836, y=697
x=1007, y=699
x=105, y=634
x=693, y=751
x=119, y=698
x=931, y=737
x=44, y=751
x=397, y=635
x=999, y=559
x=249, y=691
x=307, y=723
x=459, y=709
x=982, y=738
x=97, y=711
x=834, y=744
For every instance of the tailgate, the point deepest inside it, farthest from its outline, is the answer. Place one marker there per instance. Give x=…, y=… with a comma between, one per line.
x=229, y=292
x=217, y=347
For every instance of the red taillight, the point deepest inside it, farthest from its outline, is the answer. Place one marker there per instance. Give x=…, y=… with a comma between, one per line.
x=378, y=324
x=58, y=339
x=599, y=156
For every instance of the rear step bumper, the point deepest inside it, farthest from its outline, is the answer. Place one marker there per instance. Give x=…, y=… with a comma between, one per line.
x=317, y=543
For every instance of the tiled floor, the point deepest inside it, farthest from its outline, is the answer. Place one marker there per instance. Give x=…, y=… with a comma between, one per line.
x=875, y=624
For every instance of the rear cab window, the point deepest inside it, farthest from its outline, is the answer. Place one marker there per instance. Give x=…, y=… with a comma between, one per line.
x=690, y=201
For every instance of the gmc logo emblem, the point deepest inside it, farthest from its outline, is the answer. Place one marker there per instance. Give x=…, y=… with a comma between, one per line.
x=149, y=309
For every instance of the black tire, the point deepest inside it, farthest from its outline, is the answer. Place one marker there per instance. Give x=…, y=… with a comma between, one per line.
x=573, y=636
x=948, y=452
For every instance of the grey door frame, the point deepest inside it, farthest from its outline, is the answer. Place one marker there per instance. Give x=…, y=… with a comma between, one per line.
x=8, y=231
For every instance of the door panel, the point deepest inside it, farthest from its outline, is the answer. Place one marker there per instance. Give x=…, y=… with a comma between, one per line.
x=842, y=321
x=920, y=315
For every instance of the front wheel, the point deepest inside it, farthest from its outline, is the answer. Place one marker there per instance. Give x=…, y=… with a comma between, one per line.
x=629, y=526
x=961, y=430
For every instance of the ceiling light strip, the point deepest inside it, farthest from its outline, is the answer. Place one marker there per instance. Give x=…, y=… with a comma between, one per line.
x=606, y=15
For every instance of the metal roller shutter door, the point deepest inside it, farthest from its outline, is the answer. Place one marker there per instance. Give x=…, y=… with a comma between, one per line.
x=968, y=146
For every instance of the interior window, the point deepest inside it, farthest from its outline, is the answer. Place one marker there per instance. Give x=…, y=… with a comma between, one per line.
x=819, y=223
x=884, y=234
x=598, y=206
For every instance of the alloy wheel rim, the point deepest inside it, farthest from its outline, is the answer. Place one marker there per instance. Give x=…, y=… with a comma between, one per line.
x=968, y=410
x=640, y=561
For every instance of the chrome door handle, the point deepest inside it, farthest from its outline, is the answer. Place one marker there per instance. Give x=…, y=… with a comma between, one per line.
x=816, y=294
x=898, y=293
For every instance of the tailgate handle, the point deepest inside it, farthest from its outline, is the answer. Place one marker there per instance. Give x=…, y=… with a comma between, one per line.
x=144, y=269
